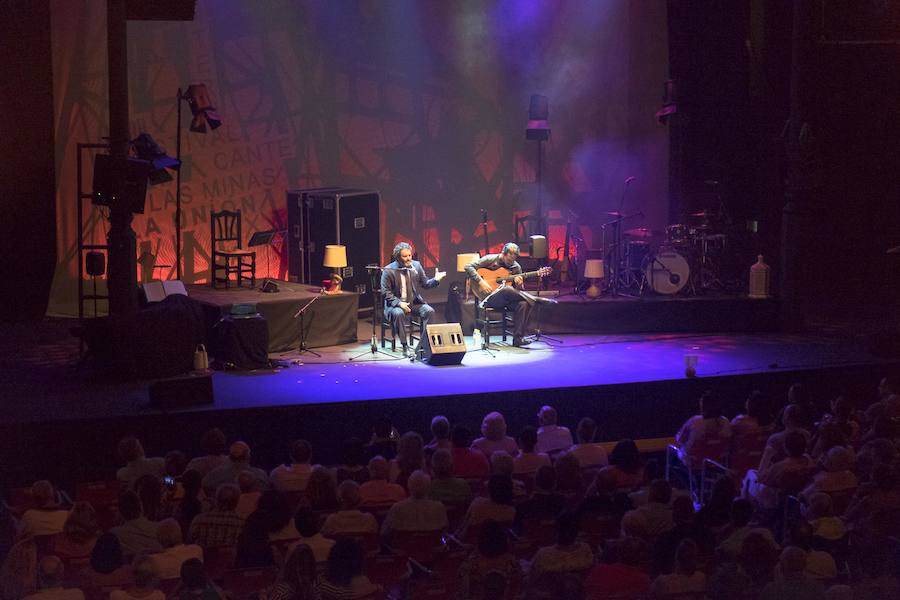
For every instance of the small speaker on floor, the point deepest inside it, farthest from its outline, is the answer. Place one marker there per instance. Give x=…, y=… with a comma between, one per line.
x=443, y=344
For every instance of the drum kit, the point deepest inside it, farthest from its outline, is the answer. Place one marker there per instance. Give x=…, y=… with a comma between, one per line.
x=686, y=257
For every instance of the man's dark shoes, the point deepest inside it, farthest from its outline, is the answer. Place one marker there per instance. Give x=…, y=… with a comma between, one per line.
x=405, y=351
x=519, y=341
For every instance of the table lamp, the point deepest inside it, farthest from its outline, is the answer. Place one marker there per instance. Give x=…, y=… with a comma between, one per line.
x=593, y=270
x=335, y=258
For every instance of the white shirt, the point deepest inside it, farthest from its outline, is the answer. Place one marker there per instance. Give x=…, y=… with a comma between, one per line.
x=553, y=437
x=290, y=478
x=529, y=462
x=589, y=455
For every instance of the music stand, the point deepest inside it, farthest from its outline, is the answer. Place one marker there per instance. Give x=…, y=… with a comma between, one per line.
x=265, y=238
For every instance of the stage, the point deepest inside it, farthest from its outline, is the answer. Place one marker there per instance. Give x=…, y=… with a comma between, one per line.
x=632, y=385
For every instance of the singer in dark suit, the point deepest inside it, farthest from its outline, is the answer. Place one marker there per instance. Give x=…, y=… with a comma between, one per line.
x=401, y=281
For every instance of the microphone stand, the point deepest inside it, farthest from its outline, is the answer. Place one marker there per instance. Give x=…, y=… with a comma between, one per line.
x=303, y=333
x=373, y=346
x=484, y=227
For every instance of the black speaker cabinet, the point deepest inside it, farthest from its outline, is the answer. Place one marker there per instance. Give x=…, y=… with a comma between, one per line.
x=443, y=344
x=321, y=216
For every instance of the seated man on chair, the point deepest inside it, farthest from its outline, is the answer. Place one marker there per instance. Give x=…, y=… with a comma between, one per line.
x=508, y=296
x=400, y=284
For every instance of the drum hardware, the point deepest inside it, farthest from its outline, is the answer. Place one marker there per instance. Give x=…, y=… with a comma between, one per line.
x=642, y=232
x=615, y=256
x=666, y=272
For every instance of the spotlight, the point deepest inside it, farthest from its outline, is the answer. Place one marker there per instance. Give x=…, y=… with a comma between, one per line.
x=202, y=109
x=147, y=149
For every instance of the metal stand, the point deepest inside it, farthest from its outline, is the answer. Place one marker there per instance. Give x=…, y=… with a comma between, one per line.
x=538, y=335
x=302, y=348
x=373, y=347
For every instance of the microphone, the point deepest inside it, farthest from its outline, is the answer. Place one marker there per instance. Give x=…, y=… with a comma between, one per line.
x=484, y=216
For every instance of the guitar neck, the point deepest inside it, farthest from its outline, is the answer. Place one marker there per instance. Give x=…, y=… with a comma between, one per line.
x=522, y=275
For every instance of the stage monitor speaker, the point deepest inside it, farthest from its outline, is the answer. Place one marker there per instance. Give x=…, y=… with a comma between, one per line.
x=182, y=391
x=443, y=344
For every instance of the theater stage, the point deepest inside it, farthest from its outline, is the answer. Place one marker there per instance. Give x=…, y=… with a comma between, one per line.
x=633, y=385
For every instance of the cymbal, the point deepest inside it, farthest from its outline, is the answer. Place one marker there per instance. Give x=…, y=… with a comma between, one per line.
x=641, y=232
x=704, y=214
x=615, y=213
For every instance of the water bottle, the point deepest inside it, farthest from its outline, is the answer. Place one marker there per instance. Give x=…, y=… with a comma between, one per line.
x=476, y=339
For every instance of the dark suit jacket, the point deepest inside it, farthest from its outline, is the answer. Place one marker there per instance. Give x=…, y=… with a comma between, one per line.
x=390, y=283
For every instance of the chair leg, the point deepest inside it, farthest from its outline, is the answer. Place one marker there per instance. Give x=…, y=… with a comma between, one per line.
x=253, y=271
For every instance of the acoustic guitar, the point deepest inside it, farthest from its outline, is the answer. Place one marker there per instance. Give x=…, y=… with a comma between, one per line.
x=502, y=276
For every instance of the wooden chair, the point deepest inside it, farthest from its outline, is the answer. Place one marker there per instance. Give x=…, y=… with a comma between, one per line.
x=488, y=320
x=414, y=328
x=225, y=227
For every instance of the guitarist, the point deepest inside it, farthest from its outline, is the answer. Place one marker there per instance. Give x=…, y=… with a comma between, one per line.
x=400, y=284
x=508, y=297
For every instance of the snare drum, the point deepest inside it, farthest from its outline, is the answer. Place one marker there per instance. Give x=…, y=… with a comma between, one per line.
x=667, y=271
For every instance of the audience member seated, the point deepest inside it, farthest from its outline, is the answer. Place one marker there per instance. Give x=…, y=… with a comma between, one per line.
x=820, y=565
x=195, y=584
x=378, y=490
x=349, y=519
x=213, y=446
x=498, y=506
x=193, y=502
x=702, y=429
x=137, y=533
x=222, y=526
x=352, y=465
x=384, y=440
x=887, y=387
x=686, y=528
x=544, y=502
x=440, y=435
x=528, y=461
x=176, y=462
x=843, y=414
x=410, y=457
x=805, y=411
x=793, y=583
x=467, y=462
x=820, y=514
x=275, y=509
x=416, y=513
x=715, y=515
x=878, y=580
x=569, y=481
x=494, y=438
x=502, y=463
x=837, y=476
x=297, y=578
x=50, y=578
x=293, y=477
x=47, y=517
x=786, y=475
x=144, y=582
x=625, y=465
x=174, y=551
x=620, y=575
x=108, y=565
x=657, y=510
x=149, y=490
x=741, y=516
x=79, y=532
x=550, y=436
x=491, y=555
x=566, y=555
x=604, y=497
x=444, y=486
x=307, y=523
x=757, y=418
x=343, y=577
x=875, y=511
x=687, y=579
x=131, y=452
x=321, y=490
x=827, y=436
x=754, y=569
x=588, y=453
x=238, y=462
x=775, y=449
x=253, y=548
x=250, y=494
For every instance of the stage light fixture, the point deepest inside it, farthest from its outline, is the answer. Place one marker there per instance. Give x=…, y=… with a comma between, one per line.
x=204, y=112
x=146, y=148
x=670, y=102
x=120, y=182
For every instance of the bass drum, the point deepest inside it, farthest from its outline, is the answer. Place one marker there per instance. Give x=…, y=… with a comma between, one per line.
x=667, y=272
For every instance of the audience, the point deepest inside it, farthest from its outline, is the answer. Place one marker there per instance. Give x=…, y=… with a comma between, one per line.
x=221, y=526
x=416, y=513
x=195, y=584
x=250, y=494
x=213, y=446
x=550, y=436
x=467, y=462
x=238, y=462
x=410, y=457
x=50, y=578
x=137, y=533
x=253, y=548
x=349, y=519
x=384, y=440
x=79, y=532
x=378, y=490
x=297, y=578
x=657, y=511
x=625, y=464
x=108, y=565
x=440, y=435
x=352, y=462
x=293, y=477
x=544, y=502
x=444, y=486
x=701, y=429
x=174, y=552
x=131, y=452
x=586, y=451
x=498, y=506
x=343, y=577
x=528, y=460
x=143, y=586
x=566, y=555
x=491, y=555
x=686, y=579
x=321, y=490
x=307, y=523
x=47, y=517
x=793, y=582
x=494, y=438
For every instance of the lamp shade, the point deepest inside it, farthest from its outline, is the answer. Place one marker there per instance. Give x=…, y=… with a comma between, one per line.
x=538, y=246
x=593, y=268
x=463, y=259
x=335, y=256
